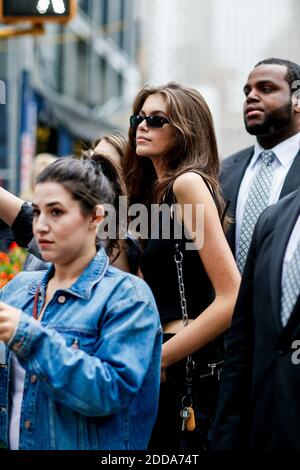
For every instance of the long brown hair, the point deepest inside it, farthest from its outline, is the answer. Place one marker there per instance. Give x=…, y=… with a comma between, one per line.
x=118, y=141
x=194, y=148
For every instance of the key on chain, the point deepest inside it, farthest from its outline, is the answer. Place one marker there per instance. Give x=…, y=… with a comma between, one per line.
x=191, y=421
x=185, y=414
x=212, y=366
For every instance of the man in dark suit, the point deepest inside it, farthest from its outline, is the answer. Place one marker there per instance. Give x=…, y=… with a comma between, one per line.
x=259, y=405
x=271, y=113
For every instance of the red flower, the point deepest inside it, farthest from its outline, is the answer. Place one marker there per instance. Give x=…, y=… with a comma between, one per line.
x=13, y=245
x=4, y=257
x=11, y=263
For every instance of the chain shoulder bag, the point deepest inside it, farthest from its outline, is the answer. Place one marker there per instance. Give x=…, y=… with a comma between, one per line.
x=202, y=376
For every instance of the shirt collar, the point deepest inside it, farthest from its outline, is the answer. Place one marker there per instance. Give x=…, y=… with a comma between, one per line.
x=285, y=151
x=82, y=287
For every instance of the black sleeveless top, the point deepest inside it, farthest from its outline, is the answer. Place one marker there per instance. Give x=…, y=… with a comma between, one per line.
x=159, y=270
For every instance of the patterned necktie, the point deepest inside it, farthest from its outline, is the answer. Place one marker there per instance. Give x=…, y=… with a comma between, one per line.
x=290, y=286
x=256, y=202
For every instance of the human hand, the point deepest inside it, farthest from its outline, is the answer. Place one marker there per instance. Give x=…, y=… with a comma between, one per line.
x=9, y=319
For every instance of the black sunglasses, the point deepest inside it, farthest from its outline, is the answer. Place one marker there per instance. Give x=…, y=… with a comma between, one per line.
x=152, y=121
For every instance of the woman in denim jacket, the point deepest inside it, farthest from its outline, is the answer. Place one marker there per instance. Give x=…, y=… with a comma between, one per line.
x=80, y=343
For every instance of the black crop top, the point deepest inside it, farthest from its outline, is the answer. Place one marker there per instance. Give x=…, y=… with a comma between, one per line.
x=159, y=270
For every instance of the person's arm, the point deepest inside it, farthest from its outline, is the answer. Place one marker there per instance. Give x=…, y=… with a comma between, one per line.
x=22, y=230
x=18, y=215
x=10, y=206
x=93, y=385
x=220, y=266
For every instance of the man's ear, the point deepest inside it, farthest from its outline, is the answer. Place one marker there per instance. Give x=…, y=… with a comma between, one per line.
x=297, y=107
x=296, y=101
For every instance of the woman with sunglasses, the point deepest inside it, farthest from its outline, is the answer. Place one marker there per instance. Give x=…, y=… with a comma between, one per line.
x=173, y=158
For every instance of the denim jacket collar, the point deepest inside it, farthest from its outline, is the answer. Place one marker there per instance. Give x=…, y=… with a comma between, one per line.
x=82, y=288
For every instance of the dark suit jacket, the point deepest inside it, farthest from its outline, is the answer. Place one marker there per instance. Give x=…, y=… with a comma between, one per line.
x=232, y=172
x=259, y=398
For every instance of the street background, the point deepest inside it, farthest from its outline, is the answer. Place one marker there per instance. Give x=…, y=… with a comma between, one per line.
x=61, y=90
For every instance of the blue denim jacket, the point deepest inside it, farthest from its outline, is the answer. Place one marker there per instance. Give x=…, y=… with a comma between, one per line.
x=92, y=364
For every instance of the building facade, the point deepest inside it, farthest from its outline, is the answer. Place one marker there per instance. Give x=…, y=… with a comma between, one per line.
x=67, y=87
x=212, y=46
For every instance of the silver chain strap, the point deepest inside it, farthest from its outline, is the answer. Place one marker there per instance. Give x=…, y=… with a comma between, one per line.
x=178, y=257
x=178, y=260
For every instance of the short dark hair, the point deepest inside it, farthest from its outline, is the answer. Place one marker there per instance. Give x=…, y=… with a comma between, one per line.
x=293, y=69
x=83, y=178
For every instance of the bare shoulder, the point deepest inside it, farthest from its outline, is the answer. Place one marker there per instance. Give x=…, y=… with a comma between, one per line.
x=188, y=183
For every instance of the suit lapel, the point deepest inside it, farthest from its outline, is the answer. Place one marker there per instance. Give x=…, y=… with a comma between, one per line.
x=239, y=166
x=238, y=173
x=235, y=176
x=283, y=230
x=292, y=180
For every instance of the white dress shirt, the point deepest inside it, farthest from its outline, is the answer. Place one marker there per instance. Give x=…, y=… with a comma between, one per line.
x=285, y=153
x=17, y=390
